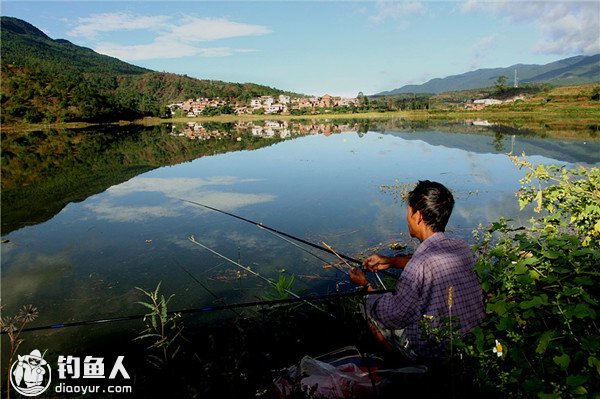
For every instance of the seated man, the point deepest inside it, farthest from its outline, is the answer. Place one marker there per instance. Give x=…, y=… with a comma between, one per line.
x=438, y=281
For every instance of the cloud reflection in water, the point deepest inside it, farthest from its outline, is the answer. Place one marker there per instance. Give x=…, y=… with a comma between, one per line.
x=107, y=207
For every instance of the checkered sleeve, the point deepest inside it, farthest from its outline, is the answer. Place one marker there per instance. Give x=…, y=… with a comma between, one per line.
x=399, y=308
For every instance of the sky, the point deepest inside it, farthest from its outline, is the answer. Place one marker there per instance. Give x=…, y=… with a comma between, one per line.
x=316, y=47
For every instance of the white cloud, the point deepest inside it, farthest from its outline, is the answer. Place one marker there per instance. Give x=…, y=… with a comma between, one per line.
x=155, y=50
x=486, y=42
x=481, y=48
x=565, y=27
x=164, y=50
x=469, y=6
x=397, y=10
x=170, y=38
x=90, y=27
x=568, y=29
x=209, y=29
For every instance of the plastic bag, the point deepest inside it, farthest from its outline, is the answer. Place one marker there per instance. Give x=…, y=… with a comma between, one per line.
x=344, y=373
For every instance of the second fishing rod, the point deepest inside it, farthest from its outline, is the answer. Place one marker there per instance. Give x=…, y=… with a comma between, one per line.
x=282, y=234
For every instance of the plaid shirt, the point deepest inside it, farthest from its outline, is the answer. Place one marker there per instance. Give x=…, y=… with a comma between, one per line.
x=422, y=289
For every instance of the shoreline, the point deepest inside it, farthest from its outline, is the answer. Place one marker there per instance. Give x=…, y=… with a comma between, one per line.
x=569, y=122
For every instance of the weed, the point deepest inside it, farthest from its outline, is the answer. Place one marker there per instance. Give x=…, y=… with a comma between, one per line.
x=13, y=326
x=161, y=329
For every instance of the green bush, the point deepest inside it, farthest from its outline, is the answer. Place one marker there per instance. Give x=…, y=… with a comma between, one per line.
x=540, y=337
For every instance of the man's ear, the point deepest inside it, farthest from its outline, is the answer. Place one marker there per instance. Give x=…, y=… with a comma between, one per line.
x=419, y=216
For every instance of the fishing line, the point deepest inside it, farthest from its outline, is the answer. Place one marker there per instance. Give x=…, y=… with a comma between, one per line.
x=207, y=309
x=198, y=281
x=217, y=298
x=271, y=282
x=307, y=251
x=262, y=226
x=336, y=254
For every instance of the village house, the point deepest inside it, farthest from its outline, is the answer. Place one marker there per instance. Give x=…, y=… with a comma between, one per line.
x=269, y=104
x=480, y=104
x=346, y=102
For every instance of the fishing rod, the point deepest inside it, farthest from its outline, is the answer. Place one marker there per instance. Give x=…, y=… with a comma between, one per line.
x=338, y=255
x=281, y=233
x=207, y=309
x=217, y=298
x=308, y=252
x=268, y=280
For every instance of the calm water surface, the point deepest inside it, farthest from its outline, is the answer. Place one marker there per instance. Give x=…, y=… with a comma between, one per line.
x=86, y=261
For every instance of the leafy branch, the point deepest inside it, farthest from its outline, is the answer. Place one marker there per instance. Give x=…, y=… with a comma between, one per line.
x=570, y=196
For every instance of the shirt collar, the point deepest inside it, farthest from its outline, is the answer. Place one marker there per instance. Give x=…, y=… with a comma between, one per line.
x=432, y=239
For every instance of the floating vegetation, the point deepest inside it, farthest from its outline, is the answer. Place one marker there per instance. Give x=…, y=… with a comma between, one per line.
x=398, y=190
x=397, y=246
x=229, y=275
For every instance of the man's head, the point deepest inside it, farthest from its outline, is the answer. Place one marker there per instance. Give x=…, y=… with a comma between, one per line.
x=434, y=202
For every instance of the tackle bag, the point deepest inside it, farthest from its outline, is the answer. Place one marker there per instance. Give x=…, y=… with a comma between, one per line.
x=343, y=373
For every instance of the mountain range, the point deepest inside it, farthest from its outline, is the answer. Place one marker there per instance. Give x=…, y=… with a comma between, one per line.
x=569, y=71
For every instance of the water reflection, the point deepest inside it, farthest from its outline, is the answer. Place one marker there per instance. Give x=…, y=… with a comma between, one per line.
x=120, y=222
x=169, y=193
x=266, y=129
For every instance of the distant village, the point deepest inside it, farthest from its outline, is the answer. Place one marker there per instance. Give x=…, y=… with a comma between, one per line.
x=282, y=104
x=262, y=105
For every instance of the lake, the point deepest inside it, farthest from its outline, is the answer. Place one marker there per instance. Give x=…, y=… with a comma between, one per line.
x=89, y=215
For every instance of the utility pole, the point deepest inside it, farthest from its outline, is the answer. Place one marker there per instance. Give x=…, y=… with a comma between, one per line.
x=516, y=81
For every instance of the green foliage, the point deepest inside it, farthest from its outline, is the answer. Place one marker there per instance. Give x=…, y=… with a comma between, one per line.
x=162, y=329
x=595, y=93
x=282, y=287
x=219, y=110
x=501, y=84
x=570, y=196
x=542, y=290
x=45, y=80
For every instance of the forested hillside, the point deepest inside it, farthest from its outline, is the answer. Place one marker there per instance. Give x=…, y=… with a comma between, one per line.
x=46, y=80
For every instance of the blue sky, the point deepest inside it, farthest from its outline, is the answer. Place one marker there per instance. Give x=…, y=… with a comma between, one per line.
x=318, y=47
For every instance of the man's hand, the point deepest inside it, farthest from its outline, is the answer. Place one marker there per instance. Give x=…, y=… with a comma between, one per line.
x=358, y=277
x=377, y=263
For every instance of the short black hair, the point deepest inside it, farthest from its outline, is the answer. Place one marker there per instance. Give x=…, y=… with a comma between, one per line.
x=434, y=201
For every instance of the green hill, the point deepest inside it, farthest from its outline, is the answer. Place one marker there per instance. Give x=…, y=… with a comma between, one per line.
x=47, y=80
x=566, y=72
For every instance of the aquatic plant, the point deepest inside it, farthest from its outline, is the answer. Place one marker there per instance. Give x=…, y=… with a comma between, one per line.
x=282, y=287
x=162, y=330
x=398, y=190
